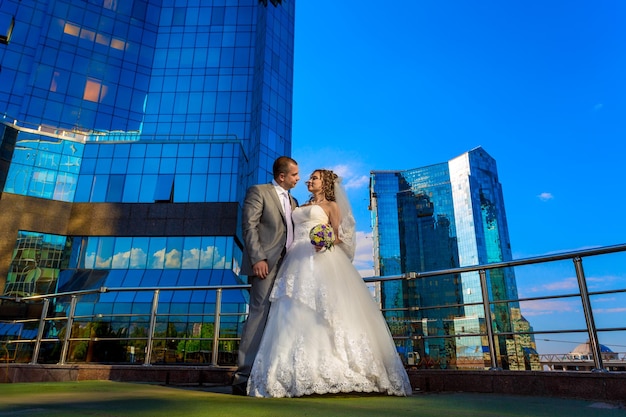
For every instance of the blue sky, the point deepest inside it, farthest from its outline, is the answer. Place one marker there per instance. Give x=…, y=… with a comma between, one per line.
x=541, y=86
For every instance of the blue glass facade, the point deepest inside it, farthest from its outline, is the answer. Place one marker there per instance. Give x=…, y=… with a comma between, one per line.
x=130, y=132
x=439, y=217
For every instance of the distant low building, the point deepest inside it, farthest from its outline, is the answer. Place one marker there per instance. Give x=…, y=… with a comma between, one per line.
x=581, y=359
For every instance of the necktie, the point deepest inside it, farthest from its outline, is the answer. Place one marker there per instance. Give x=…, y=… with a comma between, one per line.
x=287, y=208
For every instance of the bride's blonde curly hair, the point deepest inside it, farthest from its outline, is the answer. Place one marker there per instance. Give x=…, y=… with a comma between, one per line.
x=328, y=183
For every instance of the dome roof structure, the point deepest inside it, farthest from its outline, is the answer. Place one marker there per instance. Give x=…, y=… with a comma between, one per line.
x=583, y=351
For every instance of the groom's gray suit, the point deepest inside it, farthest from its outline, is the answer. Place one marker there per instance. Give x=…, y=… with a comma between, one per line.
x=264, y=233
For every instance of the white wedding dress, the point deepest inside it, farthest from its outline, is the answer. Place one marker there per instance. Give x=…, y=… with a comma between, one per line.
x=325, y=333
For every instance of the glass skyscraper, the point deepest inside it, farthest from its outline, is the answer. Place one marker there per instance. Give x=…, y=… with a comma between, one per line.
x=439, y=217
x=129, y=133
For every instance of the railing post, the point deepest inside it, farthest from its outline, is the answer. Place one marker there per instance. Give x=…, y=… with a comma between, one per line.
x=68, y=330
x=594, y=344
x=488, y=322
x=40, y=329
x=153, y=313
x=216, y=326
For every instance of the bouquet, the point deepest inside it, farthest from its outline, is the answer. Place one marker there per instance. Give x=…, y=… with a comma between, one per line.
x=322, y=236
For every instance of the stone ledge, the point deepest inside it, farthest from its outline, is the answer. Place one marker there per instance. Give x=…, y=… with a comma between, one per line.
x=174, y=375
x=601, y=386
x=598, y=386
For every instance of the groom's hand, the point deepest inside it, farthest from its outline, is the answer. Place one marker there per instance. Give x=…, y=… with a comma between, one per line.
x=261, y=269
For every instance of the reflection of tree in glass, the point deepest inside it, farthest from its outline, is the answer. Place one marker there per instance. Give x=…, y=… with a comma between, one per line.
x=101, y=350
x=199, y=343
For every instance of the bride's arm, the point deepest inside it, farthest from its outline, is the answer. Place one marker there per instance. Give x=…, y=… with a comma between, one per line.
x=334, y=217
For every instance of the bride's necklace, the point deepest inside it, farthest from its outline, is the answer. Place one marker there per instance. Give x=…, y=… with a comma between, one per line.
x=318, y=202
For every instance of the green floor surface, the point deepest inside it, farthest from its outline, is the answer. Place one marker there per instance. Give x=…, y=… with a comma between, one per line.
x=113, y=399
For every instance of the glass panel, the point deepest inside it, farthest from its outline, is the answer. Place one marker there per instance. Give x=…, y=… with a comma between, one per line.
x=133, y=278
x=151, y=278
x=191, y=253
x=163, y=191
x=181, y=189
x=151, y=165
x=219, y=259
x=100, y=185
x=169, y=278
x=138, y=150
x=187, y=278
x=212, y=188
x=200, y=165
x=197, y=188
x=114, y=191
x=121, y=254
x=206, y=255
x=174, y=253
x=104, y=254
x=139, y=253
x=88, y=258
x=65, y=187
x=156, y=253
x=148, y=185
x=114, y=279
x=131, y=189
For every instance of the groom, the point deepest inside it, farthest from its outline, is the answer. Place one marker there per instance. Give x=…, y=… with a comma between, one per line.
x=267, y=233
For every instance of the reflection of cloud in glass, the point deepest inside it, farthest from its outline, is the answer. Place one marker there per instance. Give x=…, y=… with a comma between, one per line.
x=191, y=258
x=103, y=263
x=138, y=258
x=120, y=260
x=211, y=258
x=157, y=259
x=172, y=259
x=90, y=258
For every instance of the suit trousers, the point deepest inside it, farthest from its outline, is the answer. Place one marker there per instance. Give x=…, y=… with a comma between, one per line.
x=260, y=290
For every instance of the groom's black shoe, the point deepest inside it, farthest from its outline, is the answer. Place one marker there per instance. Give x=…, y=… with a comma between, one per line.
x=239, y=389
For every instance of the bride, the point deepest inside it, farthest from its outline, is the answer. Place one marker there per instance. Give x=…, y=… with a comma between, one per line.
x=324, y=334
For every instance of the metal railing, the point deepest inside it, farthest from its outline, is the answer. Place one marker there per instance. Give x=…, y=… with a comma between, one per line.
x=584, y=294
x=67, y=337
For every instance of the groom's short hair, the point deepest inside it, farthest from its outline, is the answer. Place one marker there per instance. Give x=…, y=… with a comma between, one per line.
x=281, y=165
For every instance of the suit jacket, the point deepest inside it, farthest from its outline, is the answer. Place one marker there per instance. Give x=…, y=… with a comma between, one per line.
x=264, y=227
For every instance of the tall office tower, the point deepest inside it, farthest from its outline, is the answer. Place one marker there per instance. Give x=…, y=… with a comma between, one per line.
x=439, y=217
x=130, y=132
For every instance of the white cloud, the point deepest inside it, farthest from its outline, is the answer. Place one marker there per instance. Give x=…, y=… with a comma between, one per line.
x=357, y=182
x=364, y=254
x=545, y=196
x=542, y=308
x=570, y=284
x=610, y=310
x=351, y=179
x=565, y=284
x=344, y=171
